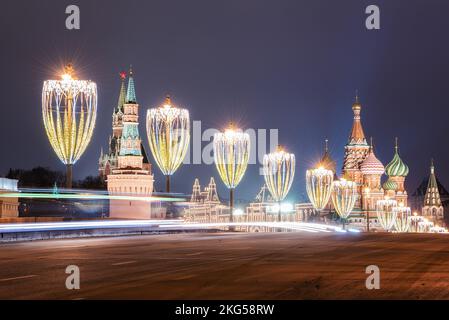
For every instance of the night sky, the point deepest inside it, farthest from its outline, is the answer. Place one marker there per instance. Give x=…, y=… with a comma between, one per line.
x=291, y=65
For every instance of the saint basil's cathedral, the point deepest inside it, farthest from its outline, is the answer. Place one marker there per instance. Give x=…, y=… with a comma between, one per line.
x=361, y=165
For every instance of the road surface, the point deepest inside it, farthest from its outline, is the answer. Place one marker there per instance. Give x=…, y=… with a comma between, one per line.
x=292, y=265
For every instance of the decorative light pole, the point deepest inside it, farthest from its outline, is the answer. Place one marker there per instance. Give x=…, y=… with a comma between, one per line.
x=344, y=196
x=415, y=219
x=69, y=111
x=231, y=156
x=366, y=197
x=168, y=130
x=403, y=220
x=386, y=213
x=319, y=187
x=279, y=171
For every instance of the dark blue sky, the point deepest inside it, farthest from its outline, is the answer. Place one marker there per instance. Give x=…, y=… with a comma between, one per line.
x=292, y=65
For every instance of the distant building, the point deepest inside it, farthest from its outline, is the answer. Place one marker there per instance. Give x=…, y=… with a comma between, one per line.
x=205, y=206
x=125, y=167
x=9, y=206
x=417, y=198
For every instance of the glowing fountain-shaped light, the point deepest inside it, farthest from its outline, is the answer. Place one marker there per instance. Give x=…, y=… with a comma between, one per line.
x=344, y=196
x=386, y=213
x=231, y=156
x=403, y=220
x=69, y=111
x=319, y=187
x=168, y=130
x=279, y=171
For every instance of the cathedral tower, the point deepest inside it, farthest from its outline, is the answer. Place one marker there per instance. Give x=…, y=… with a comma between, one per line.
x=433, y=208
x=356, y=150
x=372, y=170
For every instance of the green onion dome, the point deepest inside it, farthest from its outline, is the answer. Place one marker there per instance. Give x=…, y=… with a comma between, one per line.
x=390, y=185
x=396, y=168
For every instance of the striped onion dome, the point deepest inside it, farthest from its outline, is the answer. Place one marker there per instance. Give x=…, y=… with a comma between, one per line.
x=372, y=165
x=397, y=168
x=390, y=185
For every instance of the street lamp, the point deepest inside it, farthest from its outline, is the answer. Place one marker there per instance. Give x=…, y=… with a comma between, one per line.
x=279, y=171
x=319, y=187
x=385, y=213
x=344, y=196
x=69, y=111
x=231, y=156
x=168, y=131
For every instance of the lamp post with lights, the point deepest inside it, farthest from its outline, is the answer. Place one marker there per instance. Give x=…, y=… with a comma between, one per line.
x=231, y=156
x=344, y=196
x=386, y=213
x=403, y=220
x=168, y=131
x=279, y=171
x=69, y=111
x=319, y=187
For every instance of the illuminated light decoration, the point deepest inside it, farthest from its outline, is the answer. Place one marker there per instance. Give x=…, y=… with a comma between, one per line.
x=279, y=171
x=344, y=196
x=168, y=130
x=425, y=225
x=415, y=219
x=231, y=156
x=319, y=187
x=403, y=220
x=386, y=213
x=438, y=229
x=69, y=111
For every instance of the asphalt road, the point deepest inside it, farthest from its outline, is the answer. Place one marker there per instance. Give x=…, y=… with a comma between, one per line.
x=229, y=266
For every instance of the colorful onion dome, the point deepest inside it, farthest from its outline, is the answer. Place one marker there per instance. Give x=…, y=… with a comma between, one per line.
x=390, y=185
x=372, y=165
x=397, y=168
